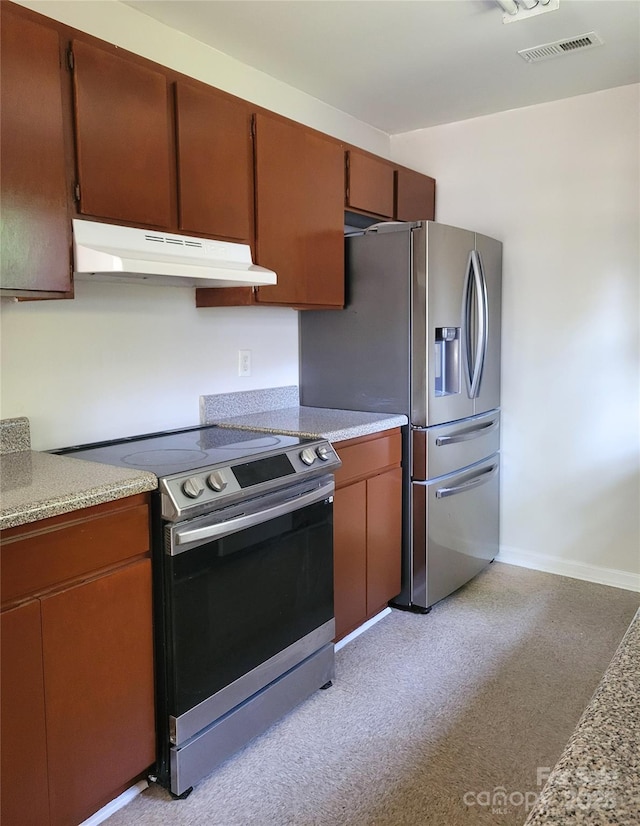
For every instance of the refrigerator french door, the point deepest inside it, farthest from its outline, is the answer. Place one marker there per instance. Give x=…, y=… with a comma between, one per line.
x=420, y=335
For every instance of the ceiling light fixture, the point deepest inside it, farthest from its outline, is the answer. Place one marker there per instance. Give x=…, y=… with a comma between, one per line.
x=523, y=9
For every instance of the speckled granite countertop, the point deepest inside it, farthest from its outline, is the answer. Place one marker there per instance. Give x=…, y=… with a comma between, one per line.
x=278, y=410
x=597, y=779
x=15, y=435
x=316, y=422
x=37, y=485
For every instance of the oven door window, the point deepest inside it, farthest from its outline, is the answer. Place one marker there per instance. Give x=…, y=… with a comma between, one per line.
x=235, y=602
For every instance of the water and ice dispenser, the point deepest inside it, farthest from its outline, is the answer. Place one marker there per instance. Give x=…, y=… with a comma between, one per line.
x=447, y=361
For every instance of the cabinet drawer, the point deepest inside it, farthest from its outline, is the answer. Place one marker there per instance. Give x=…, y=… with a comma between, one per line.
x=59, y=549
x=368, y=456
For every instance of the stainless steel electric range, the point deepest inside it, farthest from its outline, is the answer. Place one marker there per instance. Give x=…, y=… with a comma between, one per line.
x=243, y=584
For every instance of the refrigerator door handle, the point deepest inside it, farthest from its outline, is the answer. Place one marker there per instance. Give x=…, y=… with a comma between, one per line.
x=480, y=284
x=479, y=479
x=469, y=433
x=485, y=315
x=465, y=325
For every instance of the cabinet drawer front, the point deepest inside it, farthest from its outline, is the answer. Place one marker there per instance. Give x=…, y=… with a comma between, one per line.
x=368, y=457
x=34, y=562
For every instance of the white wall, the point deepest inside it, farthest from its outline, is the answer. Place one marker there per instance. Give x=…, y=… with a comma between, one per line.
x=119, y=359
x=125, y=359
x=559, y=184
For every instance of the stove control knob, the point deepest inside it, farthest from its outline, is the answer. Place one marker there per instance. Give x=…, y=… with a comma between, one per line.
x=192, y=487
x=323, y=453
x=308, y=455
x=216, y=481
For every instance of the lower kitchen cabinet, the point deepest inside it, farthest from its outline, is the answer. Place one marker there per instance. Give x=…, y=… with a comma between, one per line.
x=350, y=557
x=77, y=662
x=25, y=796
x=367, y=528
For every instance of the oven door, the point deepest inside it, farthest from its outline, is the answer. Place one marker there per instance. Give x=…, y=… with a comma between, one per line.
x=249, y=595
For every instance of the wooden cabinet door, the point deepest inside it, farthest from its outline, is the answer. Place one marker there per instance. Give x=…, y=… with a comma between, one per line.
x=123, y=138
x=369, y=184
x=384, y=539
x=99, y=693
x=215, y=164
x=36, y=237
x=350, y=557
x=280, y=205
x=324, y=212
x=299, y=214
x=415, y=196
x=25, y=795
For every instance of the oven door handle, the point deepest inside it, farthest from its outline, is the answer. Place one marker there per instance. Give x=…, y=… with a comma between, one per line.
x=238, y=523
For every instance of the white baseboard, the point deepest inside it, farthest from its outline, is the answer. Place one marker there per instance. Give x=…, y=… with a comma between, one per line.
x=119, y=802
x=362, y=628
x=567, y=567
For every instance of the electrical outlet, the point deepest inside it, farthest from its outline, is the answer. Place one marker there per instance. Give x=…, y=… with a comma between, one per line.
x=244, y=362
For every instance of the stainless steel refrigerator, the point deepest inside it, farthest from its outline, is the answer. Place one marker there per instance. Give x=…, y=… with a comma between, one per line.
x=420, y=335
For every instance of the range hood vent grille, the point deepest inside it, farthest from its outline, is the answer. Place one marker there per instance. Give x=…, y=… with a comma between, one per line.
x=561, y=47
x=174, y=240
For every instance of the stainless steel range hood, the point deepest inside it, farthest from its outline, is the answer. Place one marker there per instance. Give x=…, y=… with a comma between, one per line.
x=107, y=252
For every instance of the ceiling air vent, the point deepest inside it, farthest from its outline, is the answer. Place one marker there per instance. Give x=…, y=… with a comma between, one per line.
x=560, y=47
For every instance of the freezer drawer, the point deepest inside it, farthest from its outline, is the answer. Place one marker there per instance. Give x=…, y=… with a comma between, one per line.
x=445, y=448
x=456, y=526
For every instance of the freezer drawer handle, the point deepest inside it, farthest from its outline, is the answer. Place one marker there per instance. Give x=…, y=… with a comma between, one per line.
x=470, y=433
x=475, y=482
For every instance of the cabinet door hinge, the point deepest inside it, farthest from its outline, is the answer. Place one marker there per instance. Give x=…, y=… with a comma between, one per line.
x=76, y=192
x=70, y=60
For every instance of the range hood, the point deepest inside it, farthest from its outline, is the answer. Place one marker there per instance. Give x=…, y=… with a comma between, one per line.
x=107, y=252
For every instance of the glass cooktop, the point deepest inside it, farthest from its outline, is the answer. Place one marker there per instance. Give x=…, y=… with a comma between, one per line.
x=180, y=451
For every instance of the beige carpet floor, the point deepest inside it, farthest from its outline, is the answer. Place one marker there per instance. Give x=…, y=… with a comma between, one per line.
x=429, y=716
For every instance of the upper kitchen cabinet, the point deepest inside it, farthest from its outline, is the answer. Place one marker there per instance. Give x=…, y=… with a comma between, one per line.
x=370, y=184
x=36, y=228
x=377, y=187
x=124, y=138
x=299, y=180
x=299, y=214
x=215, y=163
x=415, y=196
